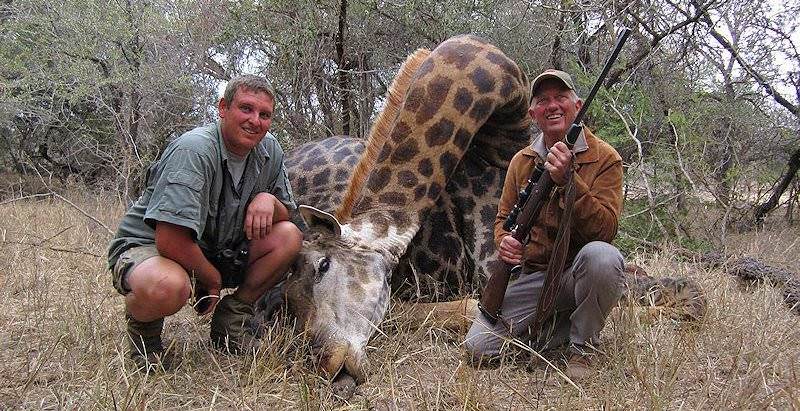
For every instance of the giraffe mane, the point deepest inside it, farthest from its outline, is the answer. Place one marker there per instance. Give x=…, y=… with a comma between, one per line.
x=380, y=132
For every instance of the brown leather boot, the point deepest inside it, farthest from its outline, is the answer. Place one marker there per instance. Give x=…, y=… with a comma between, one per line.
x=579, y=367
x=230, y=326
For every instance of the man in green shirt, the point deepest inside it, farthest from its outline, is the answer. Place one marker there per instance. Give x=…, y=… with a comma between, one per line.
x=214, y=214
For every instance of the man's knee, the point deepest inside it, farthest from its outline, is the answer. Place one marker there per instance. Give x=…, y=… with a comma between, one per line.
x=601, y=256
x=160, y=282
x=289, y=236
x=285, y=237
x=601, y=265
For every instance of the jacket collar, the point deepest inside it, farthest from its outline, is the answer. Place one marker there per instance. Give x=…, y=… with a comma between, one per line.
x=585, y=148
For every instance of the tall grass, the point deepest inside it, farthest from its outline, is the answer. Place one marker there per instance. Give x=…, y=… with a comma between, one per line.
x=62, y=341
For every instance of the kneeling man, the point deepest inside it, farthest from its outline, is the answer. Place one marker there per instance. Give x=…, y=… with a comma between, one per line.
x=593, y=282
x=214, y=215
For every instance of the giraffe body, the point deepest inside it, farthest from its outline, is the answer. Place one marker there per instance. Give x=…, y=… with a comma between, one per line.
x=464, y=92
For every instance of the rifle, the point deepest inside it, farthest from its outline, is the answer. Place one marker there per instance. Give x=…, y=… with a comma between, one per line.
x=521, y=219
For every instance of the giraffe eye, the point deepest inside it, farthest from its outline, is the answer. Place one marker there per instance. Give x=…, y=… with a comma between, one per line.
x=323, y=265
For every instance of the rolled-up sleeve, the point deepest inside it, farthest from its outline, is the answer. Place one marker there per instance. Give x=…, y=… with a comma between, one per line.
x=181, y=193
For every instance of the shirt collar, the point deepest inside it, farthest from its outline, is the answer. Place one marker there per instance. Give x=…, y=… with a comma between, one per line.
x=540, y=148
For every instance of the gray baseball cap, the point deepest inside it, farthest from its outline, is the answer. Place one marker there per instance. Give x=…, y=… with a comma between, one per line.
x=555, y=75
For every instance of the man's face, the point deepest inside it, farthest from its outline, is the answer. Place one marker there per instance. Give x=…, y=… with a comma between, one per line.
x=554, y=110
x=246, y=120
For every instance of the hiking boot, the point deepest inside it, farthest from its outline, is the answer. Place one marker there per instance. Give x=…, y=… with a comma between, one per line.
x=579, y=367
x=230, y=326
x=144, y=343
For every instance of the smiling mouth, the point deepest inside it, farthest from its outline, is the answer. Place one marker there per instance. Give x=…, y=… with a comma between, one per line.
x=554, y=116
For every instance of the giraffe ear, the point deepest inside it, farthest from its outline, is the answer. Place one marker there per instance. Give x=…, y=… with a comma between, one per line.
x=317, y=219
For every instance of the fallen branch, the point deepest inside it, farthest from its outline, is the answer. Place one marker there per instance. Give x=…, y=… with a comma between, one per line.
x=59, y=249
x=80, y=210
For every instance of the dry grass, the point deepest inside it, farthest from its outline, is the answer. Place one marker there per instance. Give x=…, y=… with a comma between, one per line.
x=62, y=342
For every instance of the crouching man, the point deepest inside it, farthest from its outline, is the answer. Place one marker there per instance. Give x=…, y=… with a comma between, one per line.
x=592, y=284
x=214, y=215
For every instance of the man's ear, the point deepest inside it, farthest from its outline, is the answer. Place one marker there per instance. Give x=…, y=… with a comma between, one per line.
x=530, y=110
x=222, y=107
x=578, y=105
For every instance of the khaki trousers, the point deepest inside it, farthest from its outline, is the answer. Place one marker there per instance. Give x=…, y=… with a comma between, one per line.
x=590, y=288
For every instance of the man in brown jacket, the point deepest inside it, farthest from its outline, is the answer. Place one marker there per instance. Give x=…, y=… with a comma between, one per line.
x=593, y=282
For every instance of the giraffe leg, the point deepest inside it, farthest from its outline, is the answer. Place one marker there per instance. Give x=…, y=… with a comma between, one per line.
x=451, y=315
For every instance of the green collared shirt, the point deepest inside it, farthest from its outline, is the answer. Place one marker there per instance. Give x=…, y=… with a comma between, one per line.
x=191, y=186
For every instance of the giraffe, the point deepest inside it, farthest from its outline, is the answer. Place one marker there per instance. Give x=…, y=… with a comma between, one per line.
x=416, y=213
x=464, y=90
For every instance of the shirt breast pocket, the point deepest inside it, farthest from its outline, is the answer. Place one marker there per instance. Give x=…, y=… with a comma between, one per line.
x=182, y=194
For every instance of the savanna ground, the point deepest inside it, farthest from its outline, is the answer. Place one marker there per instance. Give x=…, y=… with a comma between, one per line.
x=62, y=340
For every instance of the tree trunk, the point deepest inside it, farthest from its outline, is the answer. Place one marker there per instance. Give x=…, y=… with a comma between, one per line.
x=774, y=199
x=344, y=86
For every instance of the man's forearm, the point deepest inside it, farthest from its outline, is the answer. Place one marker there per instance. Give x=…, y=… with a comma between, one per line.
x=195, y=263
x=175, y=242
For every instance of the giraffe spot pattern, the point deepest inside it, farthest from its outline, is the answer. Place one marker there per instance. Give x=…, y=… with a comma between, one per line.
x=504, y=63
x=481, y=109
x=507, y=87
x=414, y=99
x=434, y=190
x=407, y=179
x=437, y=92
x=321, y=178
x=340, y=154
x=463, y=137
x=400, y=218
x=392, y=198
x=400, y=132
x=329, y=143
x=386, y=151
x=379, y=179
x=313, y=162
x=482, y=79
x=458, y=54
x=342, y=175
x=425, y=68
x=463, y=99
x=425, y=167
x=405, y=152
x=448, y=162
x=420, y=191
x=439, y=133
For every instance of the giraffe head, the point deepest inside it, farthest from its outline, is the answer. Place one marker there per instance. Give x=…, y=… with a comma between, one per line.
x=439, y=102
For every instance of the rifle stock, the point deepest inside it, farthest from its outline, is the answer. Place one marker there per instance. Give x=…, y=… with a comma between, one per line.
x=540, y=186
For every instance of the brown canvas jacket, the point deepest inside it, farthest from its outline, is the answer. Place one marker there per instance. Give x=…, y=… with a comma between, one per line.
x=598, y=201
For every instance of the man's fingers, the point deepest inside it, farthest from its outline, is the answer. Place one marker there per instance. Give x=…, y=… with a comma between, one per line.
x=248, y=226
x=264, y=229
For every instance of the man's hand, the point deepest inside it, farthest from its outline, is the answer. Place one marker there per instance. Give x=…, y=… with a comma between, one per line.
x=259, y=217
x=177, y=243
x=559, y=160
x=511, y=250
x=206, y=300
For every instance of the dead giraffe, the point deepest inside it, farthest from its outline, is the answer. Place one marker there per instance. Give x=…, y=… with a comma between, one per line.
x=439, y=102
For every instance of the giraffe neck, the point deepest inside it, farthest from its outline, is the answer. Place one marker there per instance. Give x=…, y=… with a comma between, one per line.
x=380, y=132
x=463, y=87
